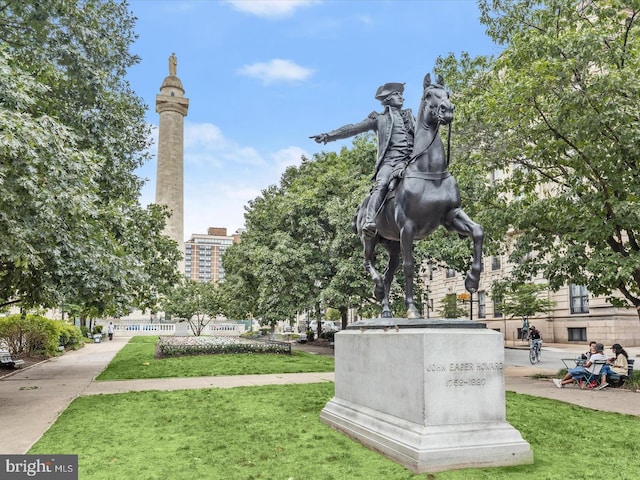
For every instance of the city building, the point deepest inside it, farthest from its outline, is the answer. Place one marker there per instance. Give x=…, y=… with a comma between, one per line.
x=577, y=315
x=203, y=254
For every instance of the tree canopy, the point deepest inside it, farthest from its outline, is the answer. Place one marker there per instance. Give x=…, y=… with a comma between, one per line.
x=555, y=120
x=523, y=300
x=196, y=302
x=299, y=250
x=72, y=133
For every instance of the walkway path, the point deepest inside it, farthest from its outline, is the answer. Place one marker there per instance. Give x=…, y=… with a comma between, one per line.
x=32, y=399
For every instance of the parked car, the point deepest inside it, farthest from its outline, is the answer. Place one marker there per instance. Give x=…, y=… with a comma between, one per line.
x=327, y=326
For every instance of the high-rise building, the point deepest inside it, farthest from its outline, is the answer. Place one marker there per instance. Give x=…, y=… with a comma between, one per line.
x=203, y=254
x=172, y=107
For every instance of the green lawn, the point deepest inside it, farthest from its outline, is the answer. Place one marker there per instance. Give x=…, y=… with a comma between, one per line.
x=136, y=360
x=273, y=432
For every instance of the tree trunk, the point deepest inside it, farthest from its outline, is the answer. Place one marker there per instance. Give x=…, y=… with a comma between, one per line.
x=344, y=316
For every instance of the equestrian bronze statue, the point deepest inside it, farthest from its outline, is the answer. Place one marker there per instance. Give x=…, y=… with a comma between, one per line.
x=425, y=197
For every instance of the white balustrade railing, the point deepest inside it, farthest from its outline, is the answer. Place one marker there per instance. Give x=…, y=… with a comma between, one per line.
x=134, y=329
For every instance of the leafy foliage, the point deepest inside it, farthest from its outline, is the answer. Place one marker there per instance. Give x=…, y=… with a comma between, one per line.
x=37, y=335
x=450, y=308
x=72, y=133
x=191, y=299
x=554, y=118
x=522, y=300
x=299, y=249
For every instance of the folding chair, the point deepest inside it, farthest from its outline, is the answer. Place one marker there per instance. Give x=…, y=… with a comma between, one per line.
x=592, y=379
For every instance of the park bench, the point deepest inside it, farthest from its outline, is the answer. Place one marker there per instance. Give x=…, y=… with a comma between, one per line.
x=7, y=361
x=616, y=380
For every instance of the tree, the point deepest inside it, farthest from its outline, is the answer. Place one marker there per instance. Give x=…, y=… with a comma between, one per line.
x=522, y=300
x=239, y=291
x=192, y=299
x=72, y=133
x=299, y=249
x=555, y=115
x=449, y=307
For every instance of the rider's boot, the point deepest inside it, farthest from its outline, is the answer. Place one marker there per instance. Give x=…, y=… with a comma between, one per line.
x=369, y=227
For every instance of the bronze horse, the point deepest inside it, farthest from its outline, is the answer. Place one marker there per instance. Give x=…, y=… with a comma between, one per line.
x=426, y=197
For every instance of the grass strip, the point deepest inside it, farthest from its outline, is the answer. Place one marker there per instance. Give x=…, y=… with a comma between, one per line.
x=273, y=432
x=137, y=360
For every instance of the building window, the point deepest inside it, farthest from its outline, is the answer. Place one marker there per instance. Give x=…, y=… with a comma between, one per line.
x=577, y=334
x=497, y=313
x=482, y=305
x=578, y=299
x=495, y=263
x=450, y=273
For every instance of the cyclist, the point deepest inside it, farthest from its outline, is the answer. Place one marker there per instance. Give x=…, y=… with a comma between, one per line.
x=534, y=336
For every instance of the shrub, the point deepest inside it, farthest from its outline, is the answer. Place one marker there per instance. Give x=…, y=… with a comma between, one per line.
x=634, y=382
x=252, y=334
x=35, y=335
x=70, y=336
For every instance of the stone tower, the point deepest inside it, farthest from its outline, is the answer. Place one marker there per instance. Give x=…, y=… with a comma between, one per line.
x=172, y=107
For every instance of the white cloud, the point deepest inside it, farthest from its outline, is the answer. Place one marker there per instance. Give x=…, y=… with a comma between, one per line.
x=287, y=157
x=213, y=204
x=201, y=133
x=205, y=145
x=276, y=70
x=270, y=8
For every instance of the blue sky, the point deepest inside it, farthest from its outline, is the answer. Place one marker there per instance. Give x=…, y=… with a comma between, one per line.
x=262, y=76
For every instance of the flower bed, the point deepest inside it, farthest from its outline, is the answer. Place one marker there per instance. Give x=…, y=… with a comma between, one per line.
x=177, y=346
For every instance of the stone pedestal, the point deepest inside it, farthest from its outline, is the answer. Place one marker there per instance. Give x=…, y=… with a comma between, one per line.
x=431, y=399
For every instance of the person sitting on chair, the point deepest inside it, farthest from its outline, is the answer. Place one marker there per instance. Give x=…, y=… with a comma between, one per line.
x=581, y=371
x=592, y=350
x=617, y=364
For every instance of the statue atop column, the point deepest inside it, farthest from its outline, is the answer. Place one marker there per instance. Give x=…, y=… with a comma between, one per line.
x=173, y=64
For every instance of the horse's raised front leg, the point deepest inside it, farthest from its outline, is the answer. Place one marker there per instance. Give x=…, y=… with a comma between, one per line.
x=407, y=234
x=466, y=227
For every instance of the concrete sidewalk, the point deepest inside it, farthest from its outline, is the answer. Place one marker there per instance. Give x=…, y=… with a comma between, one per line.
x=32, y=399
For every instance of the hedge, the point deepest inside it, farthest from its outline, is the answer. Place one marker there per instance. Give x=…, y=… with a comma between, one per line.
x=37, y=335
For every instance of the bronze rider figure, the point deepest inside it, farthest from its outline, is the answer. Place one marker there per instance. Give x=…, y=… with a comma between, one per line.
x=395, y=129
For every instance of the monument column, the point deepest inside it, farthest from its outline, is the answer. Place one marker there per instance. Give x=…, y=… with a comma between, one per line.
x=172, y=107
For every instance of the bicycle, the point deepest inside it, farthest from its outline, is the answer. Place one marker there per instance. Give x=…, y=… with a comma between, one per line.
x=535, y=348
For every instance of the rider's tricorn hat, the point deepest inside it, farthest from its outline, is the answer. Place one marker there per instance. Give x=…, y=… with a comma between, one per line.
x=387, y=89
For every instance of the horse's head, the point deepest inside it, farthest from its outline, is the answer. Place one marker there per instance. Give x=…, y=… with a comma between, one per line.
x=437, y=108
